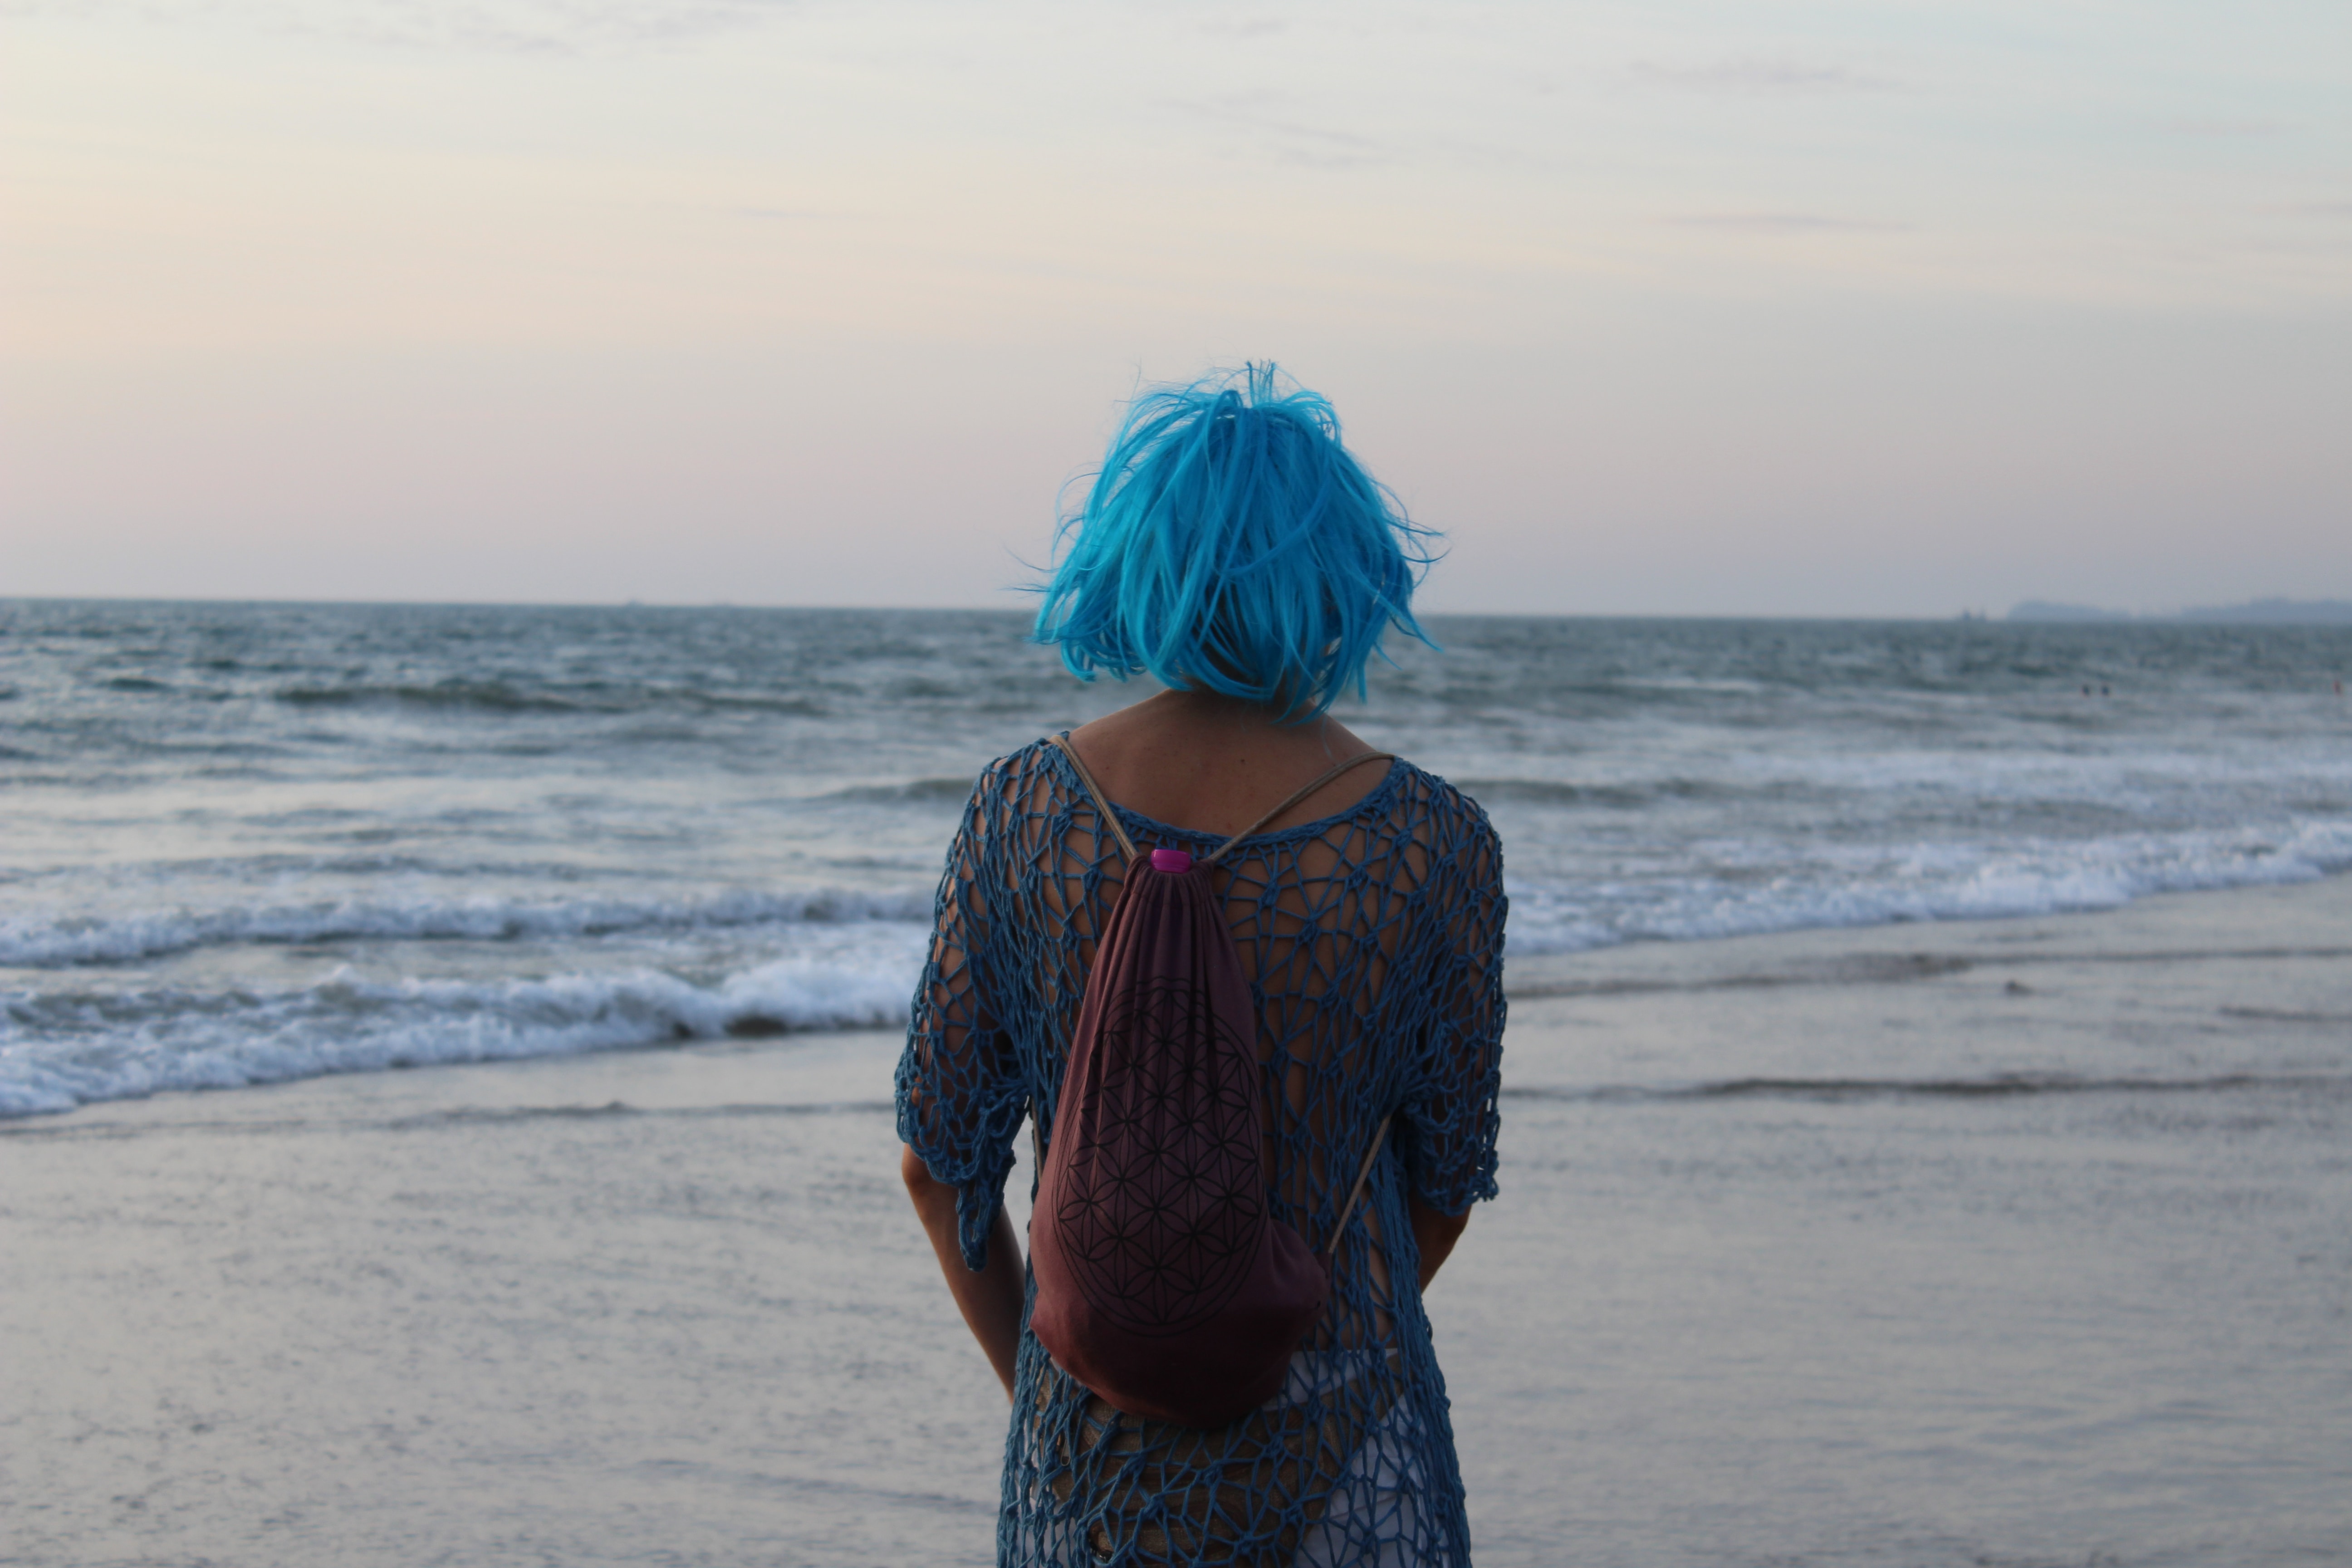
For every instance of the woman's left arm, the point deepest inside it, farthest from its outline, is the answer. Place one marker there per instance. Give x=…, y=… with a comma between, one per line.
x=989, y=1299
x=960, y=1095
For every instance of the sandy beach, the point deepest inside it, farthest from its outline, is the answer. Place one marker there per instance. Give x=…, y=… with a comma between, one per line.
x=2016, y=1242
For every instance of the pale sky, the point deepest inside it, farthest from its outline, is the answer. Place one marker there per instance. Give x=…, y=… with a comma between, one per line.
x=1661, y=308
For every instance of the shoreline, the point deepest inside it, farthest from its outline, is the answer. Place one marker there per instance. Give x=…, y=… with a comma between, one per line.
x=2156, y=928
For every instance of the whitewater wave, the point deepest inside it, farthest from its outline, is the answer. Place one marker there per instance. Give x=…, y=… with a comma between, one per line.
x=62, y=1049
x=42, y=940
x=75, y=1038
x=1867, y=887
x=1840, y=886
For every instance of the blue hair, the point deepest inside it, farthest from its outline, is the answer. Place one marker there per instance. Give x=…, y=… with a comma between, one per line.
x=1230, y=542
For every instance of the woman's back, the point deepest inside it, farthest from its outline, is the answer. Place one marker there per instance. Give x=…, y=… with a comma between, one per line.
x=1369, y=934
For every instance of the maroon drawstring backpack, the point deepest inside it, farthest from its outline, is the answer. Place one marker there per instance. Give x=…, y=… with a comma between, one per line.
x=1164, y=1283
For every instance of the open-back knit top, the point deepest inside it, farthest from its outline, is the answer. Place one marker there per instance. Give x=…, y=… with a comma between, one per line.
x=1372, y=940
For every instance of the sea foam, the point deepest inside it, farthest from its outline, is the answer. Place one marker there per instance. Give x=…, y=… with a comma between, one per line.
x=51, y=939
x=1859, y=886
x=64, y=1049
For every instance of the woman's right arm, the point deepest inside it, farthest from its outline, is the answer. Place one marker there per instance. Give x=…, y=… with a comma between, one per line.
x=989, y=1299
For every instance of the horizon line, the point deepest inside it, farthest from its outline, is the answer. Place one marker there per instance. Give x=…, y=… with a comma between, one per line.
x=1966, y=616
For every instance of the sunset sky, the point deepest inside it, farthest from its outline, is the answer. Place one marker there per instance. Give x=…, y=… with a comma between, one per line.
x=1755, y=307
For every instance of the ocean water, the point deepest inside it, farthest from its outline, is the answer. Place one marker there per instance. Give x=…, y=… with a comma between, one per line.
x=1838, y=1226
x=241, y=844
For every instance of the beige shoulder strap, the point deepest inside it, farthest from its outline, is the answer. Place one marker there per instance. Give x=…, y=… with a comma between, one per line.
x=1102, y=803
x=1295, y=797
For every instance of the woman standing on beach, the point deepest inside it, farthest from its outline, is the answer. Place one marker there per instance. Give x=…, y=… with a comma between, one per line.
x=1234, y=550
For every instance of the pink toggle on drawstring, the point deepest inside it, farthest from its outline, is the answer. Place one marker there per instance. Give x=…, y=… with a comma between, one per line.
x=1175, y=862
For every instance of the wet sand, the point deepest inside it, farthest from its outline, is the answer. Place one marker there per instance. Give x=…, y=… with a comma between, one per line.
x=2020, y=1242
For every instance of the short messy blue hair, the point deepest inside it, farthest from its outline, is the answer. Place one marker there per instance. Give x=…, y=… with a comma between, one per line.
x=1229, y=542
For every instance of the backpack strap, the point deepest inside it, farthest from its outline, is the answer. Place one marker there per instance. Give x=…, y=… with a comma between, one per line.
x=1102, y=804
x=1326, y=776
x=1362, y=1175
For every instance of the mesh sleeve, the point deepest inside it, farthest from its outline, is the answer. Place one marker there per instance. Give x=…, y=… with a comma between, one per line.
x=1450, y=1113
x=960, y=1093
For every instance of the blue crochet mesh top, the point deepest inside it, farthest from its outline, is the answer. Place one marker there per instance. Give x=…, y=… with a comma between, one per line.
x=1372, y=940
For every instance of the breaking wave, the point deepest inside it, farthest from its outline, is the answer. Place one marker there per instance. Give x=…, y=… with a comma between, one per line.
x=65, y=1049
x=38, y=941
